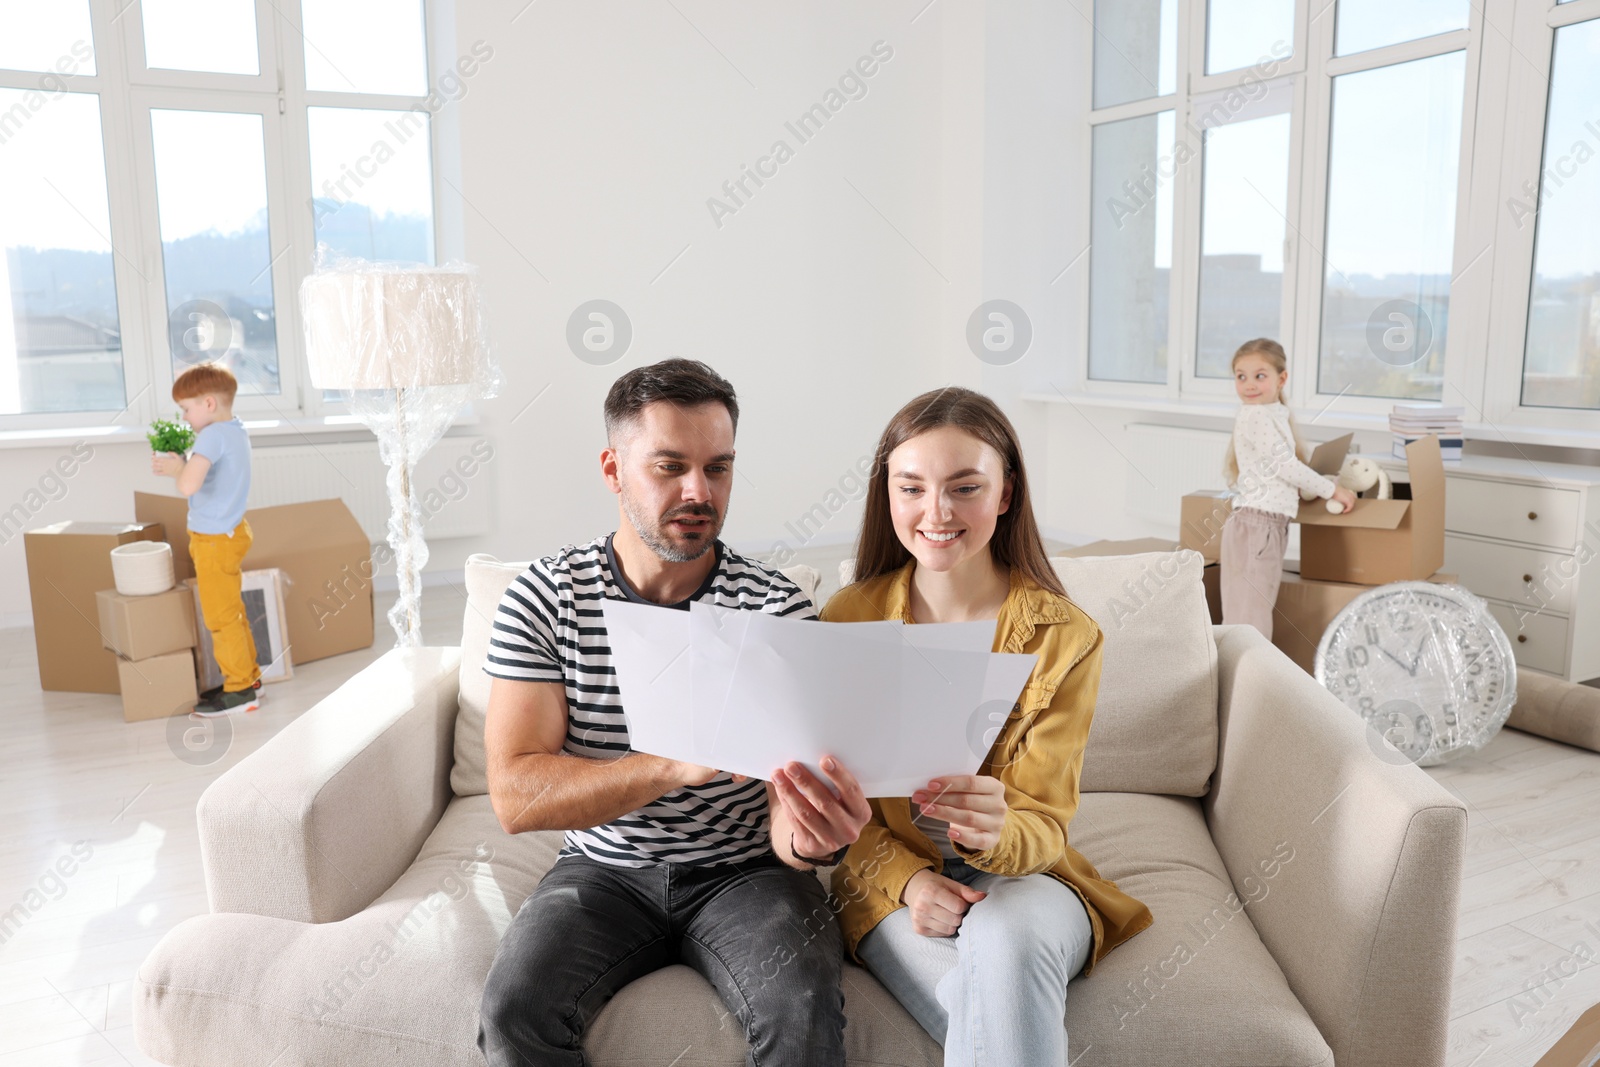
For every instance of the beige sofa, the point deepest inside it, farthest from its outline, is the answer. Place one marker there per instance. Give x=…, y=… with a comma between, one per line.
x=1304, y=879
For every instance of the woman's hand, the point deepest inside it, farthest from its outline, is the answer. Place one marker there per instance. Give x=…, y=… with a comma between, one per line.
x=937, y=903
x=1344, y=498
x=973, y=804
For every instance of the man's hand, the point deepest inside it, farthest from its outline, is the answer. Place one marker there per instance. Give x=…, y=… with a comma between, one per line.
x=937, y=903
x=821, y=819
x=973, y=804
x=166, y=464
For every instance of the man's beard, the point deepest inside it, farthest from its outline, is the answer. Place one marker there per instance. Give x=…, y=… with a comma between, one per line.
x=653, y=531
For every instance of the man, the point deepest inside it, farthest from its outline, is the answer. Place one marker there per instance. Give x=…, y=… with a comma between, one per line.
x=664, y=862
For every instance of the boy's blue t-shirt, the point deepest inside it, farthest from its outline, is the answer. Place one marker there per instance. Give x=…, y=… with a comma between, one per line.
x=218, y=506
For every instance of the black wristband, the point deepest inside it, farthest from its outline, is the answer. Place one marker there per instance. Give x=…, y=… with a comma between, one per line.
x=827, y=861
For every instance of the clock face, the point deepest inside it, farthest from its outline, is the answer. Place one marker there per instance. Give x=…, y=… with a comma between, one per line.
x=1425, y=664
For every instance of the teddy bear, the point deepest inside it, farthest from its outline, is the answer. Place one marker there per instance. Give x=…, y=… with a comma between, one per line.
x=1358, y=474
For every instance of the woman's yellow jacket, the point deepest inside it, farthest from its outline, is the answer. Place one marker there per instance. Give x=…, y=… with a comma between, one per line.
x=1038, y=755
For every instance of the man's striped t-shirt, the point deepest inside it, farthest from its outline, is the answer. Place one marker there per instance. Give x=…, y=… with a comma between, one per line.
x=549, y=628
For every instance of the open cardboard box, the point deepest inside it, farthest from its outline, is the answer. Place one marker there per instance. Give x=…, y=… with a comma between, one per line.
x=1377, y=541
x=68, y=563
x=325, y=559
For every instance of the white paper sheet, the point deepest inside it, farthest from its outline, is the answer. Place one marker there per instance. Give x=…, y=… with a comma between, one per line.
x=650, y=651
x=747, y=692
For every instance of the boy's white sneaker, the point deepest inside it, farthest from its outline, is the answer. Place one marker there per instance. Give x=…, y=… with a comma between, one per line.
x=226, y=703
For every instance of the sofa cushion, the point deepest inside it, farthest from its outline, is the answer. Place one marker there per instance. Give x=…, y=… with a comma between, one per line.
x=1155, y=722
x=487, y=578
x=400, y=983
x=1197, y=986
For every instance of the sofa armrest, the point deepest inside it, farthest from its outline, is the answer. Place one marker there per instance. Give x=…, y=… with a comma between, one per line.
x=1362, y=918
x=318, y=822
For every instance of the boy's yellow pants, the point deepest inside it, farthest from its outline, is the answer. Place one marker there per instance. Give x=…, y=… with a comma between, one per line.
x=216, y=570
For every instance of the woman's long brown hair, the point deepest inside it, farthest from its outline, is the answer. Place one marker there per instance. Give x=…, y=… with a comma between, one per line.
x=1016, y=543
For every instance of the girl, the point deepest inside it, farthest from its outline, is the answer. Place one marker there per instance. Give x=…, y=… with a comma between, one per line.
x=1264, y=465
x=972, y=907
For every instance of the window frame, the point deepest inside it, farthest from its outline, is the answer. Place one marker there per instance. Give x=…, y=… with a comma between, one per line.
x=1504, y=105
x=1529, y=51
x=127, y=90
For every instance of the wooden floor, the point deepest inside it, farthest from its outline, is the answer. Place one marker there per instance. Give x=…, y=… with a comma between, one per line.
x=1527, y=960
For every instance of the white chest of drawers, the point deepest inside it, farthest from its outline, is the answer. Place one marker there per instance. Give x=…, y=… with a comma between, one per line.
x=1525, y=536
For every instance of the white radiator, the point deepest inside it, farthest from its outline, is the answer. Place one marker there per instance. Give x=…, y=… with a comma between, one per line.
x=1167, y=462
x=452, y=483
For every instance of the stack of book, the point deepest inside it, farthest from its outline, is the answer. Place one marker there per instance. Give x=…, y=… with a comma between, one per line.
x=1408, y=422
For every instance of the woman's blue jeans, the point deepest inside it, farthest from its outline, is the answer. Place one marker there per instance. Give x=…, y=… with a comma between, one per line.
x=996, y=992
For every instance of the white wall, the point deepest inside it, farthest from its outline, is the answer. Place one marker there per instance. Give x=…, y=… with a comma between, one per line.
x=591, y=142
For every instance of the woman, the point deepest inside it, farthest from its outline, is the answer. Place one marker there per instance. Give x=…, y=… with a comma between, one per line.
x=972, y=908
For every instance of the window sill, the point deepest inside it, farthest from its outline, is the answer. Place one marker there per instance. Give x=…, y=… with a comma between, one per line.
x=1223, y=412
x=277, y=430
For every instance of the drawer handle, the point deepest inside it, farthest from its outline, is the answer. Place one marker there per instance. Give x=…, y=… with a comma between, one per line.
x=1522, y=639
x=1533, y=514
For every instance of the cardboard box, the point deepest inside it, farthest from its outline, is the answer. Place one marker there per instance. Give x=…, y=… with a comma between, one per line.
x=68, y=563
x=1306, y=606
x=1377, y=541
x=158, y=687
x=323, y=554
x=1303, y=610
x=1121, y=548
x=262, y=592
x=1200, y=521
x=138, y=627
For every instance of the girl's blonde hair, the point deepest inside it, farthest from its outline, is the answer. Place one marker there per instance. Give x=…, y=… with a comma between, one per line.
x=1274, y=354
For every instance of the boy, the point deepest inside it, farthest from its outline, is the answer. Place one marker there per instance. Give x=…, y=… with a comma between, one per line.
x=216, y=479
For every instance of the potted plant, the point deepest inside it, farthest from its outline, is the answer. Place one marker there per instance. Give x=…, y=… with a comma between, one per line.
x=168, y=435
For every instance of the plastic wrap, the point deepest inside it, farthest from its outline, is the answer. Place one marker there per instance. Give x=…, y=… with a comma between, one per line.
x=1425, y=664
x=409, y=344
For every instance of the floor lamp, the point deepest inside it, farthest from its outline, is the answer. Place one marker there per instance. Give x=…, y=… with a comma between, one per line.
x=408, y=343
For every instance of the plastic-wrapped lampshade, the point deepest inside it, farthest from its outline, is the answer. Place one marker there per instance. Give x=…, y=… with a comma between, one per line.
x=410, y=345
x=380, y=326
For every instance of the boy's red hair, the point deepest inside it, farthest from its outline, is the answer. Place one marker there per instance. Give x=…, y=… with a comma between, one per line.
x=203, y=379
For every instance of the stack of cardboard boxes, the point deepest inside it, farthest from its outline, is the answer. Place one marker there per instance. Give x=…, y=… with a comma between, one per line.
x=68, y=564
x=1341, y=556
x=154, y=639
x=91, y=639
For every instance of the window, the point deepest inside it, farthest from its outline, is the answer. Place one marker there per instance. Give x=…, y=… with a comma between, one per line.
x=1131, y=249
x=367, y=208
x=1368, y=24
x=1245, y=205
x=1561, y=363
x=60, y=336
x=211, y=197
x=231, y=145
x=201, y=35
x=365, y=46
x=1135, y=50
x=36, y=37
x=1336, y=185
x=1396, y=138
x=1240, y=32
